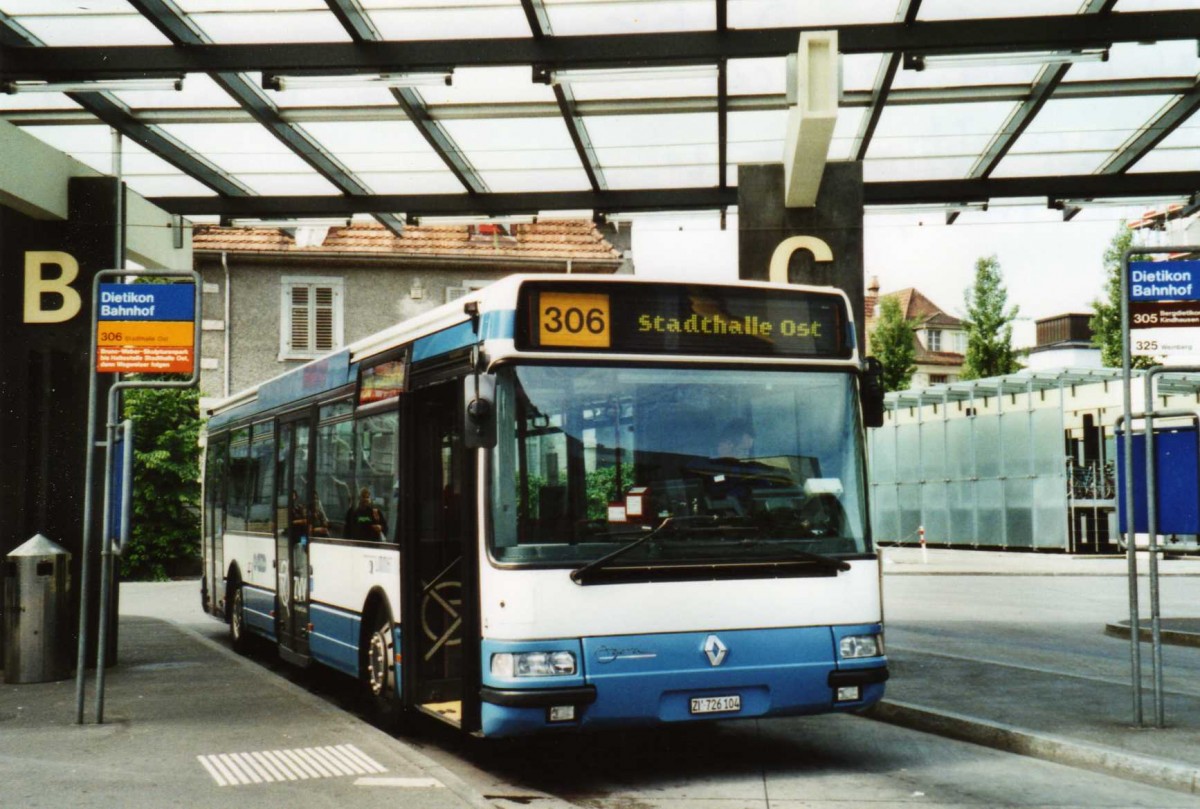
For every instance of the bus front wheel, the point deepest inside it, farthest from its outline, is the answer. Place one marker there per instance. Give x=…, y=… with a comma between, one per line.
x=380, y=673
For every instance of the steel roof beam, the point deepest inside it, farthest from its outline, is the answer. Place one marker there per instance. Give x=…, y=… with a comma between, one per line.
x=358, y=24
x=1089, y=186
x=355, y=20
x=175, y=25
x=116, y=115
x=13, y=33
x=539, y=26
x=538, y=17
x=1154, y=132
x=1004, y=34
x=1115, y=88
x=1048, y=80
x=722, y=12
x=906, y=13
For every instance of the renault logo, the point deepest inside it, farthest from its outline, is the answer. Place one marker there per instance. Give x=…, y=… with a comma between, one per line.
x=715, y=650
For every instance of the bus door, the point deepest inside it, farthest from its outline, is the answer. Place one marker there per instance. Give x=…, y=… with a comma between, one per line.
x=440, y=631
x=291, y=533
x=215, y=471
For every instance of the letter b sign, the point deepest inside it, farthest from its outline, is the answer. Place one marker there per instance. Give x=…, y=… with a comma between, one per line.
x=40, y=290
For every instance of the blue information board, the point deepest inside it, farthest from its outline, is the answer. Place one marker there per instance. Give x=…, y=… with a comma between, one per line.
x=1177, y=481
x=174, y=302
x=1164, y=280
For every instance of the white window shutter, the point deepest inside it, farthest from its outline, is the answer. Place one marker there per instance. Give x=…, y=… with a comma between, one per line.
x=323, y=319
x=300, y=331
x=311, y=316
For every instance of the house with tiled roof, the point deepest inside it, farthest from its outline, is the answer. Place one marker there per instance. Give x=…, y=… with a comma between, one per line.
x=940, y=339
x=275, y=298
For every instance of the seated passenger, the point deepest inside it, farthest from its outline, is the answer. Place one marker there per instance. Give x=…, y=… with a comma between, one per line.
x=366, y=520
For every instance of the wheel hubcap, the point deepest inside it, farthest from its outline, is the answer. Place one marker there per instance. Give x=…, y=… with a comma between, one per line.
x=235, y=622
x=378, y=658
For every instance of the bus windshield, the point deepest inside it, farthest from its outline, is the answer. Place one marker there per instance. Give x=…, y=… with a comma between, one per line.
x=721, y=465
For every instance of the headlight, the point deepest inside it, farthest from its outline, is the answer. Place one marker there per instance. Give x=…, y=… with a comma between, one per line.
x=853, y=646
x=533, y=664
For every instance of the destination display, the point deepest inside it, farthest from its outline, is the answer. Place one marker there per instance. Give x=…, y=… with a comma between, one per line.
x=146, y=328
x=382, y=382
x=674, y=319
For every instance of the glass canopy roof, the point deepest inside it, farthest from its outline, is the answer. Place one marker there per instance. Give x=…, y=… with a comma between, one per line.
x=487, y=117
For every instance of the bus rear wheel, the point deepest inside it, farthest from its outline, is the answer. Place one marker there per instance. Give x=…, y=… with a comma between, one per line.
x=238, y=636
x=380, y=673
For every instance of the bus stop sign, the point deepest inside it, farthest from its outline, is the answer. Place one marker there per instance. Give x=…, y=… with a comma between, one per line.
x=146, y=328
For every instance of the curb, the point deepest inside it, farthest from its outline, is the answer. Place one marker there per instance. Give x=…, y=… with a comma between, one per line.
x=1171, y=775
x=1171, y=636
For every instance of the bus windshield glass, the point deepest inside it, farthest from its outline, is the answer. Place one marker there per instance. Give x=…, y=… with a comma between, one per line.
x=723, y=466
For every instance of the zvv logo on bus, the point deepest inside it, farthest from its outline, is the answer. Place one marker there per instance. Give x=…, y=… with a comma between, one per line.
x=574, y=320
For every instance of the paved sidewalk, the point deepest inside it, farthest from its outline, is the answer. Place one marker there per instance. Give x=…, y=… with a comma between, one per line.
x=189, y=723
x=1080, y=721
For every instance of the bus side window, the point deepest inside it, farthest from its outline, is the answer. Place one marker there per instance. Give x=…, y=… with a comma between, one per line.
x=376, y=464
x=237, y=493
x=334, y=485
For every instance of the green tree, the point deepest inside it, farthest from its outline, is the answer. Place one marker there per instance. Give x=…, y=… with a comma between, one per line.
x=165, y=518
x=989, y=324
x=892, y=343
x=1106, y=322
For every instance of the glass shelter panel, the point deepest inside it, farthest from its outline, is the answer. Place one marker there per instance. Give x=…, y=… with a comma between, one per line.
x=960, y=458
x=960, y=501
x=1018, y=513
x=987, y=446
x=885, y=510
x=933, y=450
x=1014, y=442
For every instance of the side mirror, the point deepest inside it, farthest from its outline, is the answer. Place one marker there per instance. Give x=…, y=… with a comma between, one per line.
x=870, y=391
x=479, y=411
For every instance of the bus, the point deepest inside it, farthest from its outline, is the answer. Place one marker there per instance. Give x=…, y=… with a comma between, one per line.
x=564, y=502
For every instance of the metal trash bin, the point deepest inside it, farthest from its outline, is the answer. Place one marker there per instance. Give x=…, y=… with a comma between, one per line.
x=36, y=615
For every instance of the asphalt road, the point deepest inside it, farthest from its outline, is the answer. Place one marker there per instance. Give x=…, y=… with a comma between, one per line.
x=831, y=761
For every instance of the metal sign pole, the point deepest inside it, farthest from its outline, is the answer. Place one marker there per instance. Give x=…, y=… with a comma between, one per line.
x=1152, y=526
x=86, y=550
x=115, y=391
x=1151, y=491
x=106, y=566
x=1135, y=649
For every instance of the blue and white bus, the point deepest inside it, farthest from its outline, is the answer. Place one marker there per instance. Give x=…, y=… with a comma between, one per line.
x=565, y=502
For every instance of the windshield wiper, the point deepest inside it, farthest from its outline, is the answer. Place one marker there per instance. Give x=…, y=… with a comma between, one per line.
x=580, y=574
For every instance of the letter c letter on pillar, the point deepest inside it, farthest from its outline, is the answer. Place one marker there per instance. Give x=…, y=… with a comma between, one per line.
x=783, y=254
x=36, y=286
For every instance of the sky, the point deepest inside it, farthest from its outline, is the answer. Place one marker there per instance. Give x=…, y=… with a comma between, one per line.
x=1050, y=267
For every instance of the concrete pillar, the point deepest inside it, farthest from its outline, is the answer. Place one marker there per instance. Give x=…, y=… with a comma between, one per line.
x=764, y=223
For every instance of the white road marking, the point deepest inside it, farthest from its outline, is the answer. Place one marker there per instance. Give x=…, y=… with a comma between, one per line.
x=303, y=763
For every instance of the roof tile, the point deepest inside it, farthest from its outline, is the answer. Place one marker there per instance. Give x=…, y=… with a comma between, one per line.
x=578, y=240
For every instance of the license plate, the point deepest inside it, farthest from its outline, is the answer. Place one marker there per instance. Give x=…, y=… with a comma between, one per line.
x=716, y=704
